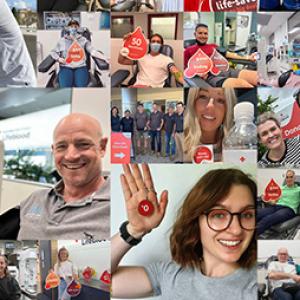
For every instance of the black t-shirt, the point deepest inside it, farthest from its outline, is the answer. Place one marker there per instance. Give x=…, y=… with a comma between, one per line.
x=127, y=124
x=169, y=122
x=179, y=122
x=115, y=123
x=9, y=289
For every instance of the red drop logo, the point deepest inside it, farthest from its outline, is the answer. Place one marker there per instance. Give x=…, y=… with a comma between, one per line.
x=272, y=191
x=136, y=44
x=106, y=277
x=74, y=288
x=199, y=64
x=202, y=154
x=75, y=53
x=220, y=63
x=52, y=281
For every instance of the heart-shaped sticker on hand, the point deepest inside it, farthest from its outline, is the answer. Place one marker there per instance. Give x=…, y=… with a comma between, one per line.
x=220, y=63
x=136, y=44
x=146, y=208
x=199, y=64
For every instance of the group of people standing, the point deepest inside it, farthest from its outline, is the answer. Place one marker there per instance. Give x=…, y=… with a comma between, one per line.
x=143, y=124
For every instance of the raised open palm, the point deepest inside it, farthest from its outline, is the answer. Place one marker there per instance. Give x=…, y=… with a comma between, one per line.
x=138, y=187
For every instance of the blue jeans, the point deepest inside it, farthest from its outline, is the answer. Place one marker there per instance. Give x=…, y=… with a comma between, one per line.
x=280, y=294
x=62, y=293
x=78, y=77
x=170, y=143
x=155, y=140
x=272, y=215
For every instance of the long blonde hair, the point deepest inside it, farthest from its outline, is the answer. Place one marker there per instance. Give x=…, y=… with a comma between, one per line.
x=58, y=255
x=192, y=129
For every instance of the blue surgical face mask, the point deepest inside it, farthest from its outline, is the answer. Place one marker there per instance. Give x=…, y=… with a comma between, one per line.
x=155, y=47
x=72, y=30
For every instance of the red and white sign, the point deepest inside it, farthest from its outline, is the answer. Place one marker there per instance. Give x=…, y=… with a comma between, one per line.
x=106, y=277
x=203, y=154
x=120, y=147
x=52, y=281
x=292, y=129
x=220, y=63
x=272, y=191
x=220, y=5
x=136, y=44
x=75, y=53
x=74, y=288
x=199, y=64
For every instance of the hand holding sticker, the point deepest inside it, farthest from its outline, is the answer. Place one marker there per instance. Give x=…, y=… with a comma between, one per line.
x=272, y=191
x=52, y=281
x=88, y=273
x=136, y=44
x=199, y=64
x=74, y=288
x=204, y=154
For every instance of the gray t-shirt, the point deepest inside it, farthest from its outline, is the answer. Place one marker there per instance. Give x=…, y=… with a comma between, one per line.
x=45, y=215
x=155, y=120
x=171, y=282
x=16, y=67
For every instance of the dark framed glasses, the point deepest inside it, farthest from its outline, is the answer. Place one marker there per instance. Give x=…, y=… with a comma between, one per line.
x=219, y=219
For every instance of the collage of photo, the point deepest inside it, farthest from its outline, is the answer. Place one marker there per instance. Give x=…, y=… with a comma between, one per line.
x=150, y=149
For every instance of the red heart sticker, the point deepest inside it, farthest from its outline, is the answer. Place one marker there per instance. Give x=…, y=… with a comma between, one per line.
x=75, y=53
x=220, y=63
x=203, y=153
x=199, y=64
x=88, y=273
x=74, y=288
x=52, y=281
x=136, y=44
x=272, y=191
x=106, y=277
x=146, y=208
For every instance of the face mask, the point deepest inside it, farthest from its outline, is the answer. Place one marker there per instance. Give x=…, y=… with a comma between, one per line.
x=72, y=31
x=155, y=47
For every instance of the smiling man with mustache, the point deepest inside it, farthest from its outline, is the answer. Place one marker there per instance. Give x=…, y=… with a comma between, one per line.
x=78, y=206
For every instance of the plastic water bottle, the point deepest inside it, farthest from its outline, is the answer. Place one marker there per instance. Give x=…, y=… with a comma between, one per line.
x=240, y=145
x=269, y=4
x=292, y=4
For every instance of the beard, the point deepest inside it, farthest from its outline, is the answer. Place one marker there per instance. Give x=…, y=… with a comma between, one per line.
x=200, y=44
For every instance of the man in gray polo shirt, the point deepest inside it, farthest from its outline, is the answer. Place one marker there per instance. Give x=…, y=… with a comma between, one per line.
x=78, y=207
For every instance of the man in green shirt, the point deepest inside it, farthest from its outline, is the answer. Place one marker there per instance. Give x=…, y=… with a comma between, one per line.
x=286, y=207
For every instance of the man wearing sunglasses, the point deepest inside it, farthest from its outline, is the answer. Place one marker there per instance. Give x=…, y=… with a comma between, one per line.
x=286, y=207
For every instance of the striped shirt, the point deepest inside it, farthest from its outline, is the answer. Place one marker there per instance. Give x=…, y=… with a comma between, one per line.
x=291, y=157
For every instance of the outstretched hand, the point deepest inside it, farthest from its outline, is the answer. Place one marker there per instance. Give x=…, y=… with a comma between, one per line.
x=138, y=186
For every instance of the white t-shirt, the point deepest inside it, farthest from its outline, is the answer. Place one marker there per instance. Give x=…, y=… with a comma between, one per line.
x=66, y=269
x=276, y=266
x=153, y=70
x=16, y=68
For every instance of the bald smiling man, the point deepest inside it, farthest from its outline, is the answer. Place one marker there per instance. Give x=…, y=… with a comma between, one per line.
x=78, y=207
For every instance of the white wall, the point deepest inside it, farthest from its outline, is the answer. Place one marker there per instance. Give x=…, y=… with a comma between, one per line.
x=95, y=102
x=178, y=180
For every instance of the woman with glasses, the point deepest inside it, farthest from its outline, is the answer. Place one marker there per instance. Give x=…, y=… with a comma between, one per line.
x=212, y=243
x=208, y=118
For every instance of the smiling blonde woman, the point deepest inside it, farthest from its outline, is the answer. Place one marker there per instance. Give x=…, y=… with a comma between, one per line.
x=208, y=118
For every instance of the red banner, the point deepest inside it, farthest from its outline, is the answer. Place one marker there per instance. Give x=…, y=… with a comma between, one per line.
x=120, y=147
x=220, y=5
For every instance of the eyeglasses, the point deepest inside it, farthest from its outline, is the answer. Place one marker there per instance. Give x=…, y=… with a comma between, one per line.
x=205, y=99
x=220, y=219
x=282, y=254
